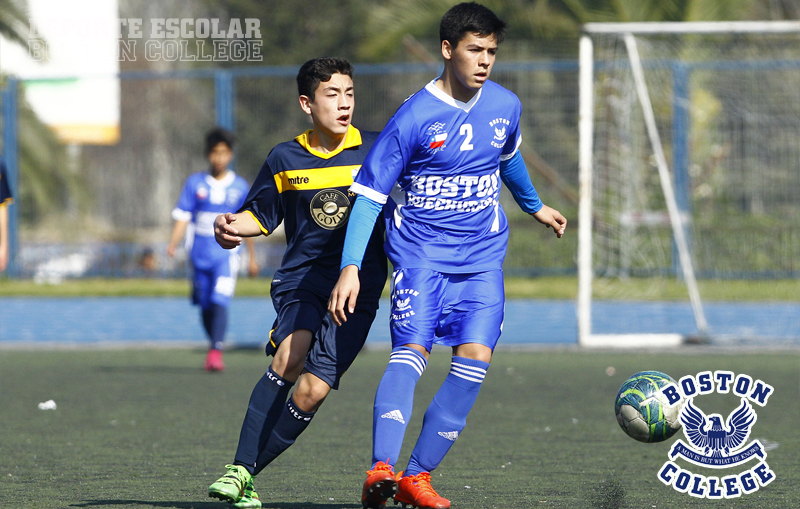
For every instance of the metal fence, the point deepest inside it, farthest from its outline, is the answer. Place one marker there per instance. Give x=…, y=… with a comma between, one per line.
x=110, y=210
x=114, y=211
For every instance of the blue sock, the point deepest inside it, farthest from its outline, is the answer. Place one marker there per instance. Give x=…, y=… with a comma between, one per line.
x=215, y=322
x=265, y=407
x=447, y=414
x=394, y=401
x=290, y=425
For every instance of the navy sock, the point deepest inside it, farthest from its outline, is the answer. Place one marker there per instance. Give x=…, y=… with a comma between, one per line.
x=447, y=414
x=215, y=322
x=394, y=401
x=265, y=407
x=290, y=425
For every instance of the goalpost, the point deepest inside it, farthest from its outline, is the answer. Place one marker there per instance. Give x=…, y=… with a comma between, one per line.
x=673, y=159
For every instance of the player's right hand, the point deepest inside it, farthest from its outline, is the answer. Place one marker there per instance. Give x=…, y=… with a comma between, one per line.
x=226, y=235
x=344, y=293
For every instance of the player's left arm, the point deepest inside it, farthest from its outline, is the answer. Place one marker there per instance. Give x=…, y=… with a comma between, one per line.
x=178, y=232
x=515, y=176
x=362, y=219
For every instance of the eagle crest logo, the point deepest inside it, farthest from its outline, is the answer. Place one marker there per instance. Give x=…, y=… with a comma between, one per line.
x=713, y=437
x=713, y=444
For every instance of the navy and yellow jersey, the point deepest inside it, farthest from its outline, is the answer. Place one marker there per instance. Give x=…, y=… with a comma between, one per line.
x=5, y=189
x=308, y=191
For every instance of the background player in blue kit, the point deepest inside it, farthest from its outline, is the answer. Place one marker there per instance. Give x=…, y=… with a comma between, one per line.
x=304, y=183
x=5, y=201
x=205, y=195
x=447, y=147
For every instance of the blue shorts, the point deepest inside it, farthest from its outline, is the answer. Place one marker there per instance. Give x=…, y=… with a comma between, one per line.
x=334, y=348
x=449, y=309
x=216, y=284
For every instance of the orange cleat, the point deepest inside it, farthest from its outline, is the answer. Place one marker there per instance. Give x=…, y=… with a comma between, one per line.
x=214, y=361
x=416, y=491
x=379, y=486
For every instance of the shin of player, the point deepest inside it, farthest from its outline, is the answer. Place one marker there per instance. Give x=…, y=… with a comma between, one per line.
x=448, y=148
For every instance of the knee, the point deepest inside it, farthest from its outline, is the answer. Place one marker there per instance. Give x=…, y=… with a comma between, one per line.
x=310, y=396
x=474, y=351
x=288, y=364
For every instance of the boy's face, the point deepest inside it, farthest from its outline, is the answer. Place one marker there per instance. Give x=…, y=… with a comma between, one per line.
x=332, y=107
x=472, y=59
x=220, y=157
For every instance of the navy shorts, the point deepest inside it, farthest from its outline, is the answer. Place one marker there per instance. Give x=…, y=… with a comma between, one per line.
x=334, y=348
x=449, y=309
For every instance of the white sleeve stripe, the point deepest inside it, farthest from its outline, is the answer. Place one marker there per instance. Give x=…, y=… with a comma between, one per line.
x=506, y=157
x=476, y=380
x=181, y=215
x=410, y=363
x=369, y=193
x=464, y=367
x=409, y=357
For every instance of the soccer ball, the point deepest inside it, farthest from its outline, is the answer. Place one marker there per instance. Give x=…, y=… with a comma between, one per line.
x=643, y=411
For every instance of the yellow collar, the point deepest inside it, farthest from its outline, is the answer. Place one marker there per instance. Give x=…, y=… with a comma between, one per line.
x=352, y=138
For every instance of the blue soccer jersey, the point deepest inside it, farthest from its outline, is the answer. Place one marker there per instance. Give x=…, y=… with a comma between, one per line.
x=445, y=157
x=203, y=198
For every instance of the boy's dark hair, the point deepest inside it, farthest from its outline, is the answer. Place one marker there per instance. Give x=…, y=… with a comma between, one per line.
x=470, y=17
x=320, y=70
x=219, y=135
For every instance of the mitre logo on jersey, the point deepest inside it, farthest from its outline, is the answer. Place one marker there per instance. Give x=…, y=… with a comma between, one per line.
x=202, y=193
x=330, y=209
x=436, y=136
x=712, y=444
x=499, y=125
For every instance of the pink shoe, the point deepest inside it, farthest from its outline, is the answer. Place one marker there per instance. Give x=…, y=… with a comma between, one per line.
x=214, y=361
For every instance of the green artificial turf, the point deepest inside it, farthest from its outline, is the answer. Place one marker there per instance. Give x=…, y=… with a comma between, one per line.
x=138, y=428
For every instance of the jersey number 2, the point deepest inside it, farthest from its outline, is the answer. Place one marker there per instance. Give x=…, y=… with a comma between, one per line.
x=466, y=130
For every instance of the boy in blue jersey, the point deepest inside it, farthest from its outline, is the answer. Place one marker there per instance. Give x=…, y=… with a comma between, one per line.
x=204, y=196
x=5, y=201
x=304, y=184
x=447, y=148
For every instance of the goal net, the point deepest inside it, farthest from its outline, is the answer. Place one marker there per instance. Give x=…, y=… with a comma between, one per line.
x=689, y=179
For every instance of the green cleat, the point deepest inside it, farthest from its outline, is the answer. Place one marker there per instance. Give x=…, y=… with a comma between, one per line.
x=249, y=498
x=231, y=487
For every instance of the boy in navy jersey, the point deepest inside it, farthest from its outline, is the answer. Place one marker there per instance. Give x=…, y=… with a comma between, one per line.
x=204, y=196
x=447, y=147
x=304, y=183
x=5, y=200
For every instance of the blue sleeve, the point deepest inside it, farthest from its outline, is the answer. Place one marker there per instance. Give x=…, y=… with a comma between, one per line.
x=359, y=230
x=515, y=176
x=385, y=160
x=188, y=199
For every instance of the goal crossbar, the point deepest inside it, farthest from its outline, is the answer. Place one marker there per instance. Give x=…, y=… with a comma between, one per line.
x=693, y=27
